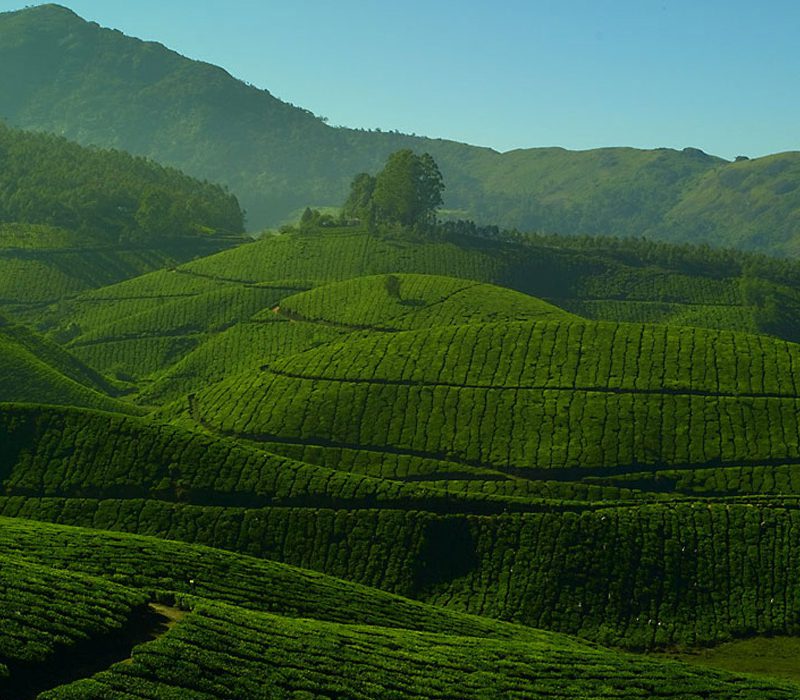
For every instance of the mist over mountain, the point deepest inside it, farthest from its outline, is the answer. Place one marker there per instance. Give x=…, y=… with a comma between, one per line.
x=97, y=86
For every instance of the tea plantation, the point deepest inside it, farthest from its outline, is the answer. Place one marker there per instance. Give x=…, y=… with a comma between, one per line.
x=346, y=462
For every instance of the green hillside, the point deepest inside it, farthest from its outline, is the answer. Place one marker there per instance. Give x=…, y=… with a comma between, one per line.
x=34, y=370
x=75, y=218
x=234, y=636
x=174, y=331
x=408, y=302
x=105, y=196
x=221, y=652
x=363, y=459
x=97, y=86
x=527, y=398
x=43, y=613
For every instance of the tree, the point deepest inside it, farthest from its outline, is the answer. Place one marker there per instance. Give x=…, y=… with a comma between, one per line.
x=392, y=284
x=409, y=189
x=359, y=203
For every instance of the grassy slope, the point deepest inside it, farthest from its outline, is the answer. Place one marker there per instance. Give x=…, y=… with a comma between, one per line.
x=420, y=301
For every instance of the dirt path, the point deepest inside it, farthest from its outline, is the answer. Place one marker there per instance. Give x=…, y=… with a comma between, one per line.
x=84, y=660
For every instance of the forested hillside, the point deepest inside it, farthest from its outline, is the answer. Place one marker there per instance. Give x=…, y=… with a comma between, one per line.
x=61, y=74
x=74, y=218
x=102, y=197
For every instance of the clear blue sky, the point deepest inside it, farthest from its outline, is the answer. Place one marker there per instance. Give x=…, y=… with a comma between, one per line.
x=721, y=75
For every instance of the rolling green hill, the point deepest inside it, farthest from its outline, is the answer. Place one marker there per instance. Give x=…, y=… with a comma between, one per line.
x=372, y=460
x=409, y=302
x=43, y=612
x=35, y=370
x=234, y=636
x=527, y=398
x=174, y=331
x=97, y=86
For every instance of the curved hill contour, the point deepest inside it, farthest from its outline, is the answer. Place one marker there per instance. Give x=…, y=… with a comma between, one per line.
x=412, y=301
x=35, y=370
x=547, y=399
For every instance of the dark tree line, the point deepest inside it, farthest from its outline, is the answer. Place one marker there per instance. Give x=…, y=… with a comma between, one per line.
x=106, y=195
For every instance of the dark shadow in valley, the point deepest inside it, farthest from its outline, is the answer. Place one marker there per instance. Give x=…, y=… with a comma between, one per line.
x=88, y=657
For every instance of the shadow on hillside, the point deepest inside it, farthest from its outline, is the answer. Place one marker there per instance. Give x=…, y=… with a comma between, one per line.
x=85, y=659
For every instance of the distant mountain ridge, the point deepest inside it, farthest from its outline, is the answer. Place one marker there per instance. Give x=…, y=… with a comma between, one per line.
x=59, y=73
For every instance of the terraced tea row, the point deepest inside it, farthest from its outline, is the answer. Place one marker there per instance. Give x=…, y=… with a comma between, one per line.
x=72, y=453
x=43, y=612
x=543, y=400
x=35, y=370
x=153, y=564
x=407, y=302
x=563, y=355
x=221, y=652
x=640, y=577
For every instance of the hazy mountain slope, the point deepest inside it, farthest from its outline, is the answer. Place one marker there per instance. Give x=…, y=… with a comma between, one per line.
x=61, y=74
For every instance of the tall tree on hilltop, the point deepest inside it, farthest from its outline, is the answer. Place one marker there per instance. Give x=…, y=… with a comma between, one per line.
x=409, y=188
x=359, y=203
x=407, y=191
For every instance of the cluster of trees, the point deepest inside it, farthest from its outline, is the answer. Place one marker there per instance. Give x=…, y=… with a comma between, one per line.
x=407, y=191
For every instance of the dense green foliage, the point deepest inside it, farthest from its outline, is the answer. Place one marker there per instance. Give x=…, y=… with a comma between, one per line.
x=705, y=572
x=33, y=369
x=382, y=456
x=219, y=651
x=74, y=218
x=153, y=564
x=43, y=611
x=408, y=301
x=77, y=453
x=97, y=86
x=105, y=196
x=407, y=191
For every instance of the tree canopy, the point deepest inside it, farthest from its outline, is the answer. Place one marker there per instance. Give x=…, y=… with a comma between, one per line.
x=407, y=191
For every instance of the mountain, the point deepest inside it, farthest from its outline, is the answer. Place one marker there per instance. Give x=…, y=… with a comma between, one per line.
x=59, y=73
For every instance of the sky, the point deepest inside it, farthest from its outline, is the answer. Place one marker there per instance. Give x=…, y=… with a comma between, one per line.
x=720, y=75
